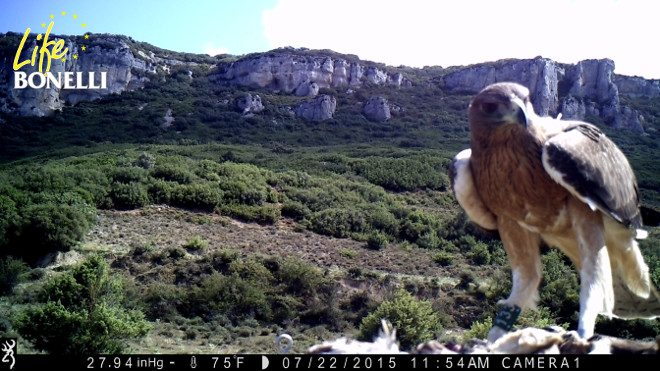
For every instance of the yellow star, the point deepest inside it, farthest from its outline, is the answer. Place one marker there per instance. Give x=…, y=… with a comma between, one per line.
x=86, y=36
x=84, y=24
x=63, y=13
x=52, y=16
x=63, y=59
x=75, y=56
x=43, y=25
x=75, y=16
x=83, y=48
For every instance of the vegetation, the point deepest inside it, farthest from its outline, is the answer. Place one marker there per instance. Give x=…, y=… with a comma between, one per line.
x=414, y=320
x=81, y=312
x=381, y=189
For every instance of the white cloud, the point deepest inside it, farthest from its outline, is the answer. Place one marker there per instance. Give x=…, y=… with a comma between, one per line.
x=212, y=50
x=459, y=32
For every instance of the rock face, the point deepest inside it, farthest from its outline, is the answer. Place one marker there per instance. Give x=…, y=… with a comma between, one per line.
x=318, y=109
x=588, y=89
x=110, y=54
x=540, y=75
x=377, y=109
x=301, y=74
x=249, y=104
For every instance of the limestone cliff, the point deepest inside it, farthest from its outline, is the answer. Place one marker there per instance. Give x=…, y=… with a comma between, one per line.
x=125, y=70
x=291, y=71
x=587, y=89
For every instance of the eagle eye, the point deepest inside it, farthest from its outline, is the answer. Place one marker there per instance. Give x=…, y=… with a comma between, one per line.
x=488, y=108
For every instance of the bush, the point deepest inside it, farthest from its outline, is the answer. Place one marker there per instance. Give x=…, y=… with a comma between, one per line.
x=377, y=241
x=47, y=228
x=479, y=254
x=444, y=259
x=173, y=173
x=11, y=270
x=196, y=243
x=129, y=196
x=205, y=196
x=414, y=320
x=82, y=315
x=268, y=214
x=338, y=222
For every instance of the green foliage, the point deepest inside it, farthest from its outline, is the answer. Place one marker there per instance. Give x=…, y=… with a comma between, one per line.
x=47, y=228
x=129, y=196
x=264, y=290
x=405, y=174
x=196, y=243
x=479, y=254
x=478, y=330
x=339, y=222
x=413, y=319
x=377, y=241
x=11, y=270
x=444, y=259
x=82, y=313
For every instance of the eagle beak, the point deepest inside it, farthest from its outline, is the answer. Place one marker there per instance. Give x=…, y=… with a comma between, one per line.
x=519, y=114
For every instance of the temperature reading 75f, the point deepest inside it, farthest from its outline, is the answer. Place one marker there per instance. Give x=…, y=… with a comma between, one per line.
x=228, y=362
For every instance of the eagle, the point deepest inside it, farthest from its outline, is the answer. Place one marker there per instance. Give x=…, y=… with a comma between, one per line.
x=539, y=180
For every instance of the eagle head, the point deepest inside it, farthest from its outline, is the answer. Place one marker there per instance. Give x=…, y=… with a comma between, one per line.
x=500, y=104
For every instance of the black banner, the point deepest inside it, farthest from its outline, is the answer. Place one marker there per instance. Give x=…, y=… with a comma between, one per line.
x=278, y=362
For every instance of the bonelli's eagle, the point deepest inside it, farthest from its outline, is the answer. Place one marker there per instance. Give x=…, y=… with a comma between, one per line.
x=563, y=183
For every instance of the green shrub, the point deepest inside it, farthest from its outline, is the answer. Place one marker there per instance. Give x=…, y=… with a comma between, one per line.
x=377, y=241
x=429, y=240
x=479, y=254
x=267, y=214
x=338, y=222
x=196, y=243
x=82, y=314
x=47, y=228
x=11, y=270
x=444, y=259
x=478, y=330
x=129, y=196
x=295, y=210
x=205, y=196
x=146, y=160
x=232, y=296
x=414, y=320
x=8, y=218
x=173, y=173
x=129, y=174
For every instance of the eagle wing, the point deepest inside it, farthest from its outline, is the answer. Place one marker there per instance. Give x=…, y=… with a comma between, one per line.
x=587, y=163
x=462, y=183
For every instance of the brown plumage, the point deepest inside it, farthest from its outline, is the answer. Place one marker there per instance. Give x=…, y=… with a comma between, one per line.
x=536, y=179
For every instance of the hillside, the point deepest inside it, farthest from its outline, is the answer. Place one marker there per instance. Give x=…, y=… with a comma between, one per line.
x=233, y=198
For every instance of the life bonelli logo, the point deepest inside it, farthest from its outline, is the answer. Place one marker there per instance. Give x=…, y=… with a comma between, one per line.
x=49, y=51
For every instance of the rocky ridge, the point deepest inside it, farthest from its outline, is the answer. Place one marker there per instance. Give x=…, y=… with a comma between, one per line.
x=587, y=90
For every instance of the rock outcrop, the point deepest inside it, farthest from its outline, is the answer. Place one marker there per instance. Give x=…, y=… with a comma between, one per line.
x=377, y=109
x=301, y=74
x=540, y=75
x=585, y=90
x=318, y=109
x=110, y=54
x=249, y=104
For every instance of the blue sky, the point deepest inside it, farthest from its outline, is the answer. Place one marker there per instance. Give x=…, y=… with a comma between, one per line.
x=409, y=32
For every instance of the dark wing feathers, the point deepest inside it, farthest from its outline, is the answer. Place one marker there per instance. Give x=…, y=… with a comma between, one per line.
x=591, y=166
